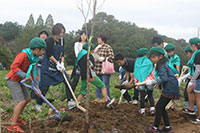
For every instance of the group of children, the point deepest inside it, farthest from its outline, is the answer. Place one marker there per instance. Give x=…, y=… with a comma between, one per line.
x=161, y=65
x=157, y=66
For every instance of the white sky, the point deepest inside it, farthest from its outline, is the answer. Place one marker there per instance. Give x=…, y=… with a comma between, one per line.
x=174, y=18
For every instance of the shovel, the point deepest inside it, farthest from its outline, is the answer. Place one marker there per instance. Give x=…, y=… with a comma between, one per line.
x=57, y=115
x=124, y=88
x=70, y=88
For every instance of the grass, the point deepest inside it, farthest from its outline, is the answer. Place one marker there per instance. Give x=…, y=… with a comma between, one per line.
x=58, y=93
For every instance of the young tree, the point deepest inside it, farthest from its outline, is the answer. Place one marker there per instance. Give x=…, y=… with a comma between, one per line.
x=30, y=23
x=40, y=21
x=49, y=21
x=91, y=7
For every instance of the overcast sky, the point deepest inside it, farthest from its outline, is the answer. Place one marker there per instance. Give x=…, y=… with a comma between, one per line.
x=174, y=18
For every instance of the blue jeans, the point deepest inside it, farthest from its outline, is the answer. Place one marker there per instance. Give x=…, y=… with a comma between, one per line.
x=106, y=80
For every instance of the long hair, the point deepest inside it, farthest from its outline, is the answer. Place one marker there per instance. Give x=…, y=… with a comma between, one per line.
x=79, y=38
x=161, y=62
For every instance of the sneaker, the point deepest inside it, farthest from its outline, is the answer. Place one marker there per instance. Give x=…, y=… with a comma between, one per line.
x=71, y=104
x=135, y=102
x=38, y=107
x=15, y=128
x=109, y=103
x=20, y=122
x=152, y=130
x=187, y=111
x=195, y=121
x=142, y=111
x=167, y=130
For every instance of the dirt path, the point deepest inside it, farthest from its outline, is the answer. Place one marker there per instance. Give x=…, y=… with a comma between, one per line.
x=124, y=118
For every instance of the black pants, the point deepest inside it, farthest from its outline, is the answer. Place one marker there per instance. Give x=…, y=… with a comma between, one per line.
x=46, y=88
x=161, y=112
x=128, y=97
x=143, y=93
x=75, y=80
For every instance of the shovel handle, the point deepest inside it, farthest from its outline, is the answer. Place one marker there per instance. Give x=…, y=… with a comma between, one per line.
x=141, y=83
x=70, y=88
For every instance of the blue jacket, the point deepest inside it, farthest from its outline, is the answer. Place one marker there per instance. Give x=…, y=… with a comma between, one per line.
x=168, y=80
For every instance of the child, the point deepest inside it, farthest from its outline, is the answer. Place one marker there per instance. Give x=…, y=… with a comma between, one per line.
x=128, y=65
x=189, y=90
x=22, y=67
x=194, y=65
x=143, y=71
x=170, y=87
x=81, y=62
x=174, y=60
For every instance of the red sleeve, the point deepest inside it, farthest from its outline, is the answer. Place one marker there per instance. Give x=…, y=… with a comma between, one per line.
x=18, y=61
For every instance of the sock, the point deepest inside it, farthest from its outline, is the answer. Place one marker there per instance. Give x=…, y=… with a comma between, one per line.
x=142, y=110
x=155, y=127
x=167, y=127
x=152, y=108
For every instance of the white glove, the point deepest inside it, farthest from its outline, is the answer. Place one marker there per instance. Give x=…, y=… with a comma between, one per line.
x=125, y=82
x=151, y=82
x=101, y=59
x=123, y=91
x=59, y=66
x=63, y=66
x=120, y=76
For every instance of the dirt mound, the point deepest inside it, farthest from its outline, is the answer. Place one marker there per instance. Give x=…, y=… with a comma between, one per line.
x=123, y=119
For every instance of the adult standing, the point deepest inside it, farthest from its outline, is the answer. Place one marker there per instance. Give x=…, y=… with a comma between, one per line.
x=77, y=48
x=104, y=51
x=53, y=65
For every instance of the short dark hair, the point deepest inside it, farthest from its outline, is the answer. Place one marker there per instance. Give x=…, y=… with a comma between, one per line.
x=43, y=32
x=157, y=40
x=103, y=37
x=57, y=28
x=82, y=32
x=119, y=56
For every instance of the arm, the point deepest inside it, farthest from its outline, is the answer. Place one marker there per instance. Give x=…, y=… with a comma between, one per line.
x=196, y=73
x=110, y=54
x=127, y=75
x=162, y=75
x=178, y=68
x=132, y=78
x=76, y=49
x=16, y=63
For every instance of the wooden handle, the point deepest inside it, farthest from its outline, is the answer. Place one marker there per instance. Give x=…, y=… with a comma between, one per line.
x=141, y=83
x=70, y=88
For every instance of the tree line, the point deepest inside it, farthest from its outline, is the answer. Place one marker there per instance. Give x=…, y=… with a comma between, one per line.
x=124, y=37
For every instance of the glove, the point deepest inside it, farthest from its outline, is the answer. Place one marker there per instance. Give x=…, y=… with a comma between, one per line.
x=59, y=66
x=123, y=91
x=120, y=76
x=63, y=66
x=151, y=82
x=125, y=82
x=101, y=59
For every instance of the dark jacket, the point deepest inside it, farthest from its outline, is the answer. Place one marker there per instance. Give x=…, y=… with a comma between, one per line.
x=83, y=67
x=169, y=82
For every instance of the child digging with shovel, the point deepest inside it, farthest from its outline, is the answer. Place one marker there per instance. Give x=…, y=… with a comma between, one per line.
x=167, y=79
x=81, y=62
x=23, y=67
x=143, y=71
